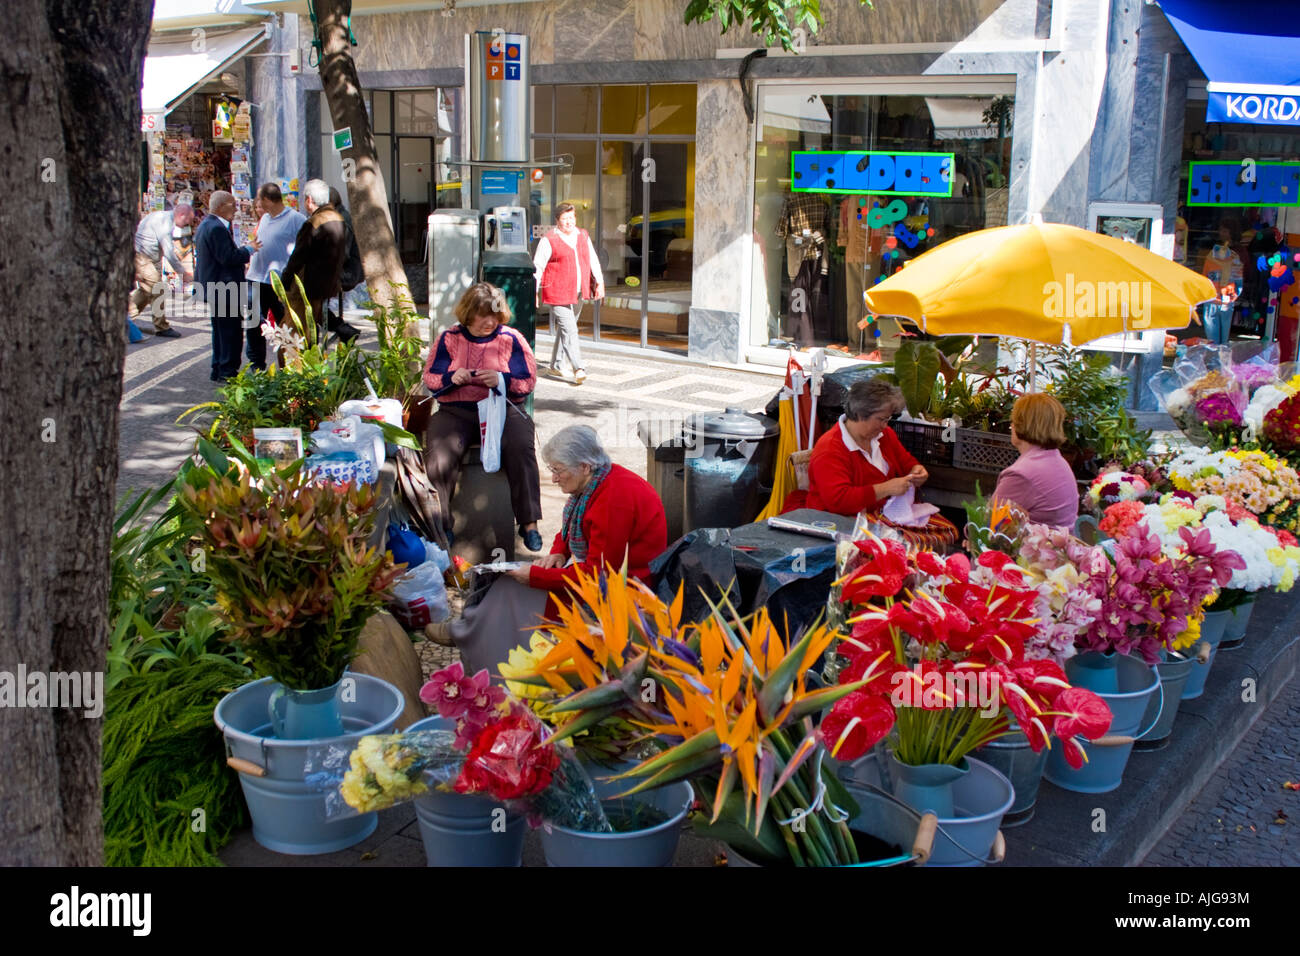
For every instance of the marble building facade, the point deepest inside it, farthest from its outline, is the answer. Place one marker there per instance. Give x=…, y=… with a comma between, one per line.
x=1099, y=99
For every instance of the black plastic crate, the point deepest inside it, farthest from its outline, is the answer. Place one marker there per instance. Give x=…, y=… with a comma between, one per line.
x=925, y=441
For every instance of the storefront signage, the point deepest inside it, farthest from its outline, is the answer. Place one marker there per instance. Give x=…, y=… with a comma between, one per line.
x=1276, y=110
x=1243, y=183
x=874, y=171
x=498, y=183
x=153, y=121
x=503, y=61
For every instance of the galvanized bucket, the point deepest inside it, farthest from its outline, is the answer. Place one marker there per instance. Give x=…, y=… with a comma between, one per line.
x=288, y=813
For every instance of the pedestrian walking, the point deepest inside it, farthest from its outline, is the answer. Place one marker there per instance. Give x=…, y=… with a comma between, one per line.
x=319, y=252
x=276, y=231
x=567, y=271
x=153, y=243
x=219, y=274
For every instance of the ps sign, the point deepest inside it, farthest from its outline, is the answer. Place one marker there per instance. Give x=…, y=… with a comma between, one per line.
x=1275, y=110
x=872, y=171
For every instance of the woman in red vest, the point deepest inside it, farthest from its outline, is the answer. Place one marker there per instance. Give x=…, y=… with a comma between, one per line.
x=568, y=271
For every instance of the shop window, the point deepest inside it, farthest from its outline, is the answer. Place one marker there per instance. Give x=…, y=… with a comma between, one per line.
x=824, y=233
x=622, y=110
x=575, y=109
x=417, y=112
x=543, y=104
x=381, y=113
x=672, y=109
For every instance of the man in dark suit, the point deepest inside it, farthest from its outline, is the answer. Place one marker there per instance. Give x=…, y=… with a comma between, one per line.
x=318, y=255
x=219, y=281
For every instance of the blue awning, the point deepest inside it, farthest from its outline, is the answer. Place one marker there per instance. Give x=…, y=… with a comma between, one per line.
x=1249, y=51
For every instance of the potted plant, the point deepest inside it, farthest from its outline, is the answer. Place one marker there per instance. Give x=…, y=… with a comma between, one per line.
x=295, y=580
x=729, y=705
x=942, y=645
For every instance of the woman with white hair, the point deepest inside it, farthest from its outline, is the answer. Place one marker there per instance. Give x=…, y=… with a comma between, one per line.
x=613, y=517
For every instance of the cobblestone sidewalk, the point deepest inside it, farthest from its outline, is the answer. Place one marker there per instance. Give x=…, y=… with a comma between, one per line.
x=1245, y=816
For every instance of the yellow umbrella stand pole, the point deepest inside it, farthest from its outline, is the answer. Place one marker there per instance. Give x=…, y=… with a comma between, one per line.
x=783, y=482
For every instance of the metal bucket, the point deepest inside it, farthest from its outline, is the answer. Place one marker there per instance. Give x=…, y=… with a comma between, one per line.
x=1234, y=633
x=1174, y=672
x=1212, y=629
x=1010, y=756
x=466, y=829
x=1108, y=755
x=653, y=846
x=288, y=813
x=972, y=837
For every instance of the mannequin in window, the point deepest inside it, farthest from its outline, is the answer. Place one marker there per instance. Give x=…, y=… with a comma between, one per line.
x=804, y=225
x=862, y=246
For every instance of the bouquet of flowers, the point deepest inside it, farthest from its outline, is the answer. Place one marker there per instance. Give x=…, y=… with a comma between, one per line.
x=1207, y=394
x=498, y=748
x=937, y=657
x=1112, y=486
x=1155, y=594
x=1254, y=480
x=1279, y=424
x=1059, y=565
x=729, y=701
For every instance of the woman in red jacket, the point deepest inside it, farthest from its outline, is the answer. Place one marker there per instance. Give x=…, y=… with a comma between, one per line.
x=860, y=463
x=613, y=516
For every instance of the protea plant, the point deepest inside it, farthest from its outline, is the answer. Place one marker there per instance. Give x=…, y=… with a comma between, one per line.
x=294, y=576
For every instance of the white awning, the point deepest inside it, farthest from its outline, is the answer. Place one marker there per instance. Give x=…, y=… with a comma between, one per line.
x=960, y=117
x=174, y=68
x=799, y=111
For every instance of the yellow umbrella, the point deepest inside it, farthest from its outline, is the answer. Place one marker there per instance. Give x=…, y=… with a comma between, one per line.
x=1043, y=281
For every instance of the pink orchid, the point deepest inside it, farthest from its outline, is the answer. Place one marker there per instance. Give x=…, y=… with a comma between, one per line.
x=449, y=691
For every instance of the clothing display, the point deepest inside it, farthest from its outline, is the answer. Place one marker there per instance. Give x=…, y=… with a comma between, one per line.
x=804, y=225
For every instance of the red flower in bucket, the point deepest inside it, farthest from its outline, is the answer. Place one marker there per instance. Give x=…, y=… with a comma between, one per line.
x=509, y=760
x=855, y=724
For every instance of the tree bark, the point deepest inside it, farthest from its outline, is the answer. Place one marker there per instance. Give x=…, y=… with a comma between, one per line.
x=69, y=133
x=367, y=195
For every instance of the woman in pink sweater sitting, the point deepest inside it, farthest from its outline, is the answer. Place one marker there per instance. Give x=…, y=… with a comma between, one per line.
x=1041, y=480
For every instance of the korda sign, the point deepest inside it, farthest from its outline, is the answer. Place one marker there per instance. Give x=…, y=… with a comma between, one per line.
x=1273, y=109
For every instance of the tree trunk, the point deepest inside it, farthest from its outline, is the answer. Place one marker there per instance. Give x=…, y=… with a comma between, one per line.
x=70, y=114
x=367, y=195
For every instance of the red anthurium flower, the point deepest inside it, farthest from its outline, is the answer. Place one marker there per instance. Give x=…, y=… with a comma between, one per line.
x=1074, y=752
x=930, y=563
x=1043, y=677
x=880, y=575
x=856, y=723
x=957, y=567
x=1080, y=711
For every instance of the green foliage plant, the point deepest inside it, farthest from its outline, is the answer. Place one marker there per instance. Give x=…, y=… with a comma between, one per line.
x=294, y=577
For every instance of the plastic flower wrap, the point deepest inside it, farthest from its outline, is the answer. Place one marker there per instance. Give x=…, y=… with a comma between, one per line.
x=1208, y=391
x=1281, y=426
x=498, y=748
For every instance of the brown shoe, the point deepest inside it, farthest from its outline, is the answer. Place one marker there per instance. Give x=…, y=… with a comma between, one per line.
x=440, y=633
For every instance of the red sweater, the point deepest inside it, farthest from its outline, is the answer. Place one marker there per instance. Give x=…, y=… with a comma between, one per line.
x=624, y=517
x=842, y=481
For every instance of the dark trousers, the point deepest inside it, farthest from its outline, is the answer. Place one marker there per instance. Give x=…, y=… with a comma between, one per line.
x=228, y=335
x=270, y=302
x=453, y=428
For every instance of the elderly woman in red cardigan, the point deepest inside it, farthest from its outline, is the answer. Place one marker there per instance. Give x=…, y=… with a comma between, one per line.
x=612, y=516
x=859, y=464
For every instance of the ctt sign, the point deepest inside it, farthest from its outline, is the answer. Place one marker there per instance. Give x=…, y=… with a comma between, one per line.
x=1242, y=107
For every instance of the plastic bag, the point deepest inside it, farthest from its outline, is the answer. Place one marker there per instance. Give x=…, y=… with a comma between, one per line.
x=351, y=434
x=491, y=422
x=420, y=597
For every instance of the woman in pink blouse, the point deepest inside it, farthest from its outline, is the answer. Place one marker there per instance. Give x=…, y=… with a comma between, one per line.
x=1040, y=481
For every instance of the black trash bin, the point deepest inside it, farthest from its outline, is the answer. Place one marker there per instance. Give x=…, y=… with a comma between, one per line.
x=664, y=456
x=729, y=461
